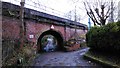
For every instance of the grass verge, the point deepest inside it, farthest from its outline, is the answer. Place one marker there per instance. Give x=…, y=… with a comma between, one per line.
x=105, y=59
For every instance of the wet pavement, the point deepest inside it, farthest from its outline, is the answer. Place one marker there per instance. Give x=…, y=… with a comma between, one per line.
x=74, y=58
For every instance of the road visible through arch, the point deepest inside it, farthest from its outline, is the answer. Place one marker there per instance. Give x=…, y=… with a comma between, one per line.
x=50, y=40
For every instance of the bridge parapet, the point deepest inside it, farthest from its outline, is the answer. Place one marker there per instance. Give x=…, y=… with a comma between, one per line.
x=13, y=10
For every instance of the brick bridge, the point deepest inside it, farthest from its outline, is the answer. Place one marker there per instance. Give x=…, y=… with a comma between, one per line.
x=37, y=25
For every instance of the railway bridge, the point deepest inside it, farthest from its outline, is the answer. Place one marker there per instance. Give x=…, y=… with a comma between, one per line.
x=39, y=26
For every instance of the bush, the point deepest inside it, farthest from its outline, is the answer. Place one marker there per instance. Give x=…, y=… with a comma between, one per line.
x=105, y=38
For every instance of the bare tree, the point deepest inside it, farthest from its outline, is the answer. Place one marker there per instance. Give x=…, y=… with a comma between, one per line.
x=99, y=11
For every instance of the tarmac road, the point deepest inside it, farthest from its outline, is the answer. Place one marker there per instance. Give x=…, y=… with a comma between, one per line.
x=74, y=58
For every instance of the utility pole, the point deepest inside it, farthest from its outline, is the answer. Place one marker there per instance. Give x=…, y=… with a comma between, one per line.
x=119, y=11
x=111, y=14
x=75, y=14
x=75, y=1
x=22, y=33
x=89, y=24
x=75, y=19
x=112, y=20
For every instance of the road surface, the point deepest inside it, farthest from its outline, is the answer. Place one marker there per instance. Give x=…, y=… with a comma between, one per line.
x=74, y=58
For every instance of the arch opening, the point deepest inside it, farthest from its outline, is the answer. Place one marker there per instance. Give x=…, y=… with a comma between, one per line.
x=50, y=40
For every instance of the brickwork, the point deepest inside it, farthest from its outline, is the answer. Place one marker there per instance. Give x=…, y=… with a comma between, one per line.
x=10, y=28
x=10, y=37
x=37, y=29
x=68, y=31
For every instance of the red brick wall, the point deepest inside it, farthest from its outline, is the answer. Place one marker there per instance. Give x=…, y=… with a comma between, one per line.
x=68, y=33
x=60, y=29
x=81, y=32
x=10, y=28
x=10, y=37
x=71, y=32
x=33, y=28
x=37, y=29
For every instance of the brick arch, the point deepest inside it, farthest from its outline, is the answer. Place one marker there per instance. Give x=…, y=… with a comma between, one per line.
x=58, y=35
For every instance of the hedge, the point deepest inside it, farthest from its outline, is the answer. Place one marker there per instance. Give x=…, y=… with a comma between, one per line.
x=104, y=38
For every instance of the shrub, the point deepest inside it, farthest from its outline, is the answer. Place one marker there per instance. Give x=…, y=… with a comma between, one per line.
x=105, y=37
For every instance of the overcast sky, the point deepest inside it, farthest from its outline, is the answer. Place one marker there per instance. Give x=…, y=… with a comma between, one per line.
x=60, y=7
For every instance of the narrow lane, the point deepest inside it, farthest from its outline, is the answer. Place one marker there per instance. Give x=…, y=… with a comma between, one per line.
x=74, y=58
